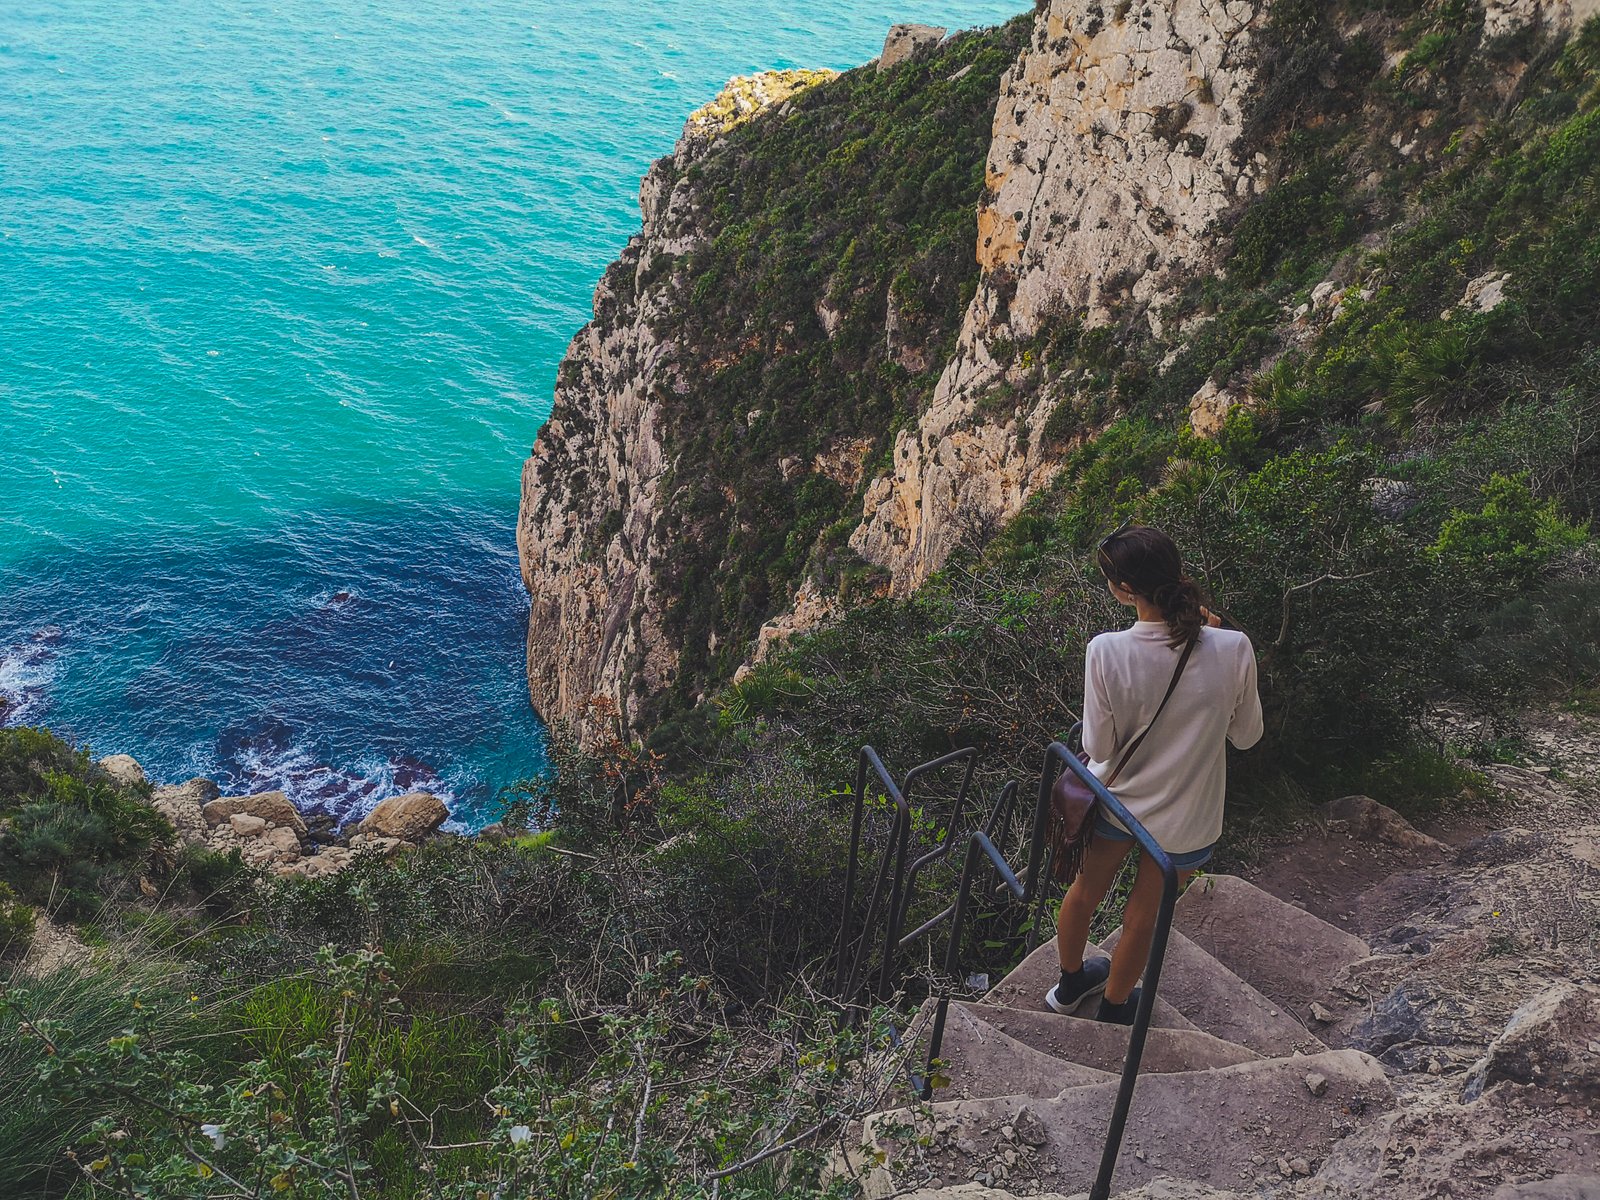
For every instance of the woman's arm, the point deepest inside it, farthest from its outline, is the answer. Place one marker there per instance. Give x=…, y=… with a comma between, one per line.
x=1099, y=726
x=1245, y=726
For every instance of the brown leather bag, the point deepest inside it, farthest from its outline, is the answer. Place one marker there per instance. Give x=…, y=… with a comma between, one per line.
x=1074, y=807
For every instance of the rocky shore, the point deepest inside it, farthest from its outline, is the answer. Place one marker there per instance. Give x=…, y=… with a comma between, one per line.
x=270, y=833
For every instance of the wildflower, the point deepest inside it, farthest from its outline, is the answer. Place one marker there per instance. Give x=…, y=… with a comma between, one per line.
x=99, y=1164
x=214, y=1132
x=520, y=1134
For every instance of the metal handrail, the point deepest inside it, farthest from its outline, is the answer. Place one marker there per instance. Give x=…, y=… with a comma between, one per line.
x=893, y=875
x=980, y=846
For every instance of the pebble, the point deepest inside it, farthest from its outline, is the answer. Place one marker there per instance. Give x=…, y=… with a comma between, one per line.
x=1299, y=1166
x=1316, y=1084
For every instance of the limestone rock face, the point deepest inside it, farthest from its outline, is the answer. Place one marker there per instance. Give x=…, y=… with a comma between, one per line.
x=589, y=531
x=273, y=808
x=1113, y=152
x=410, y=817
x=905, y=40
x=1502, y=18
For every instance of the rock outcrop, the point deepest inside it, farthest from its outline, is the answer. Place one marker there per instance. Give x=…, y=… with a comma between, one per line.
x=905, y=40
x=123, y=769
x=269, y=832
x=589, y=532
x=1114, y=150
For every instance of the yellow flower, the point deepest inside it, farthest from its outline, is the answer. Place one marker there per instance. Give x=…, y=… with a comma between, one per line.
x=99, y=1164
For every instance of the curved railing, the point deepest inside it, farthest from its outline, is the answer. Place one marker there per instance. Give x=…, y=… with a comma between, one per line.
x=1026, y=888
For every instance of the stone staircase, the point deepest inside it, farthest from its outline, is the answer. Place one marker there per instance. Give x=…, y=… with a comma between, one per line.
x=1233, y=1080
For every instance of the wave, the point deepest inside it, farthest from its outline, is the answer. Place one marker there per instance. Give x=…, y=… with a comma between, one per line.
x=27, y=669
x=274, y=757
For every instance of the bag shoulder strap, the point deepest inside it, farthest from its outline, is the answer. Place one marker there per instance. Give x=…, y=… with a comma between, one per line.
x=1183, y=661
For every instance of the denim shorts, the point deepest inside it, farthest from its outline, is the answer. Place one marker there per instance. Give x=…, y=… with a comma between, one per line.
x=1189, y=861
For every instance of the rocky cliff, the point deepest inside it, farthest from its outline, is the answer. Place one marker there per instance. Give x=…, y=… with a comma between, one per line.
x=793, y=293
x=1114, y=152
x=869, y=324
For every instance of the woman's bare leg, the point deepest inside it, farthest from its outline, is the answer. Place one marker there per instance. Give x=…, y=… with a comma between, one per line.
x=1083, y=897
x=1138, y=929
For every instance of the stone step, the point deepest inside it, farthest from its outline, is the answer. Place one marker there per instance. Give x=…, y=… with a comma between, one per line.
x=1024, y=988
x=1104, y=1047
x=1284, y=952
x=1206, y=1126
x=1217, y=1001
x=982, y=1060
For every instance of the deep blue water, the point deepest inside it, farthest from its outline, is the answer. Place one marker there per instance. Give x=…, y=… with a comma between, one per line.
x=283, y=288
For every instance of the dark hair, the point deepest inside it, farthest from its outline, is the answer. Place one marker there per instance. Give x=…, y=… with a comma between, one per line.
x=1146, y=561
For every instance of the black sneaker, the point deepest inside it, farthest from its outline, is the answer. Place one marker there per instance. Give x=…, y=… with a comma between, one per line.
x=1077, y=986
x=1118, y=1014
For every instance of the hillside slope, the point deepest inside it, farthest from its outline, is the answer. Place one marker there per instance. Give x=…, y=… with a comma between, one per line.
x=1351, y=247
x=795, y=289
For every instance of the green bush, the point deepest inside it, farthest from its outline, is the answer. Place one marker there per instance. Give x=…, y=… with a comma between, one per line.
x=16, y=923
x=74, y=835
x=1503, y=545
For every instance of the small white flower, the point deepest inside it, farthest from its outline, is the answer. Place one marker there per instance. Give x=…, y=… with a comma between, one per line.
x=520, y=1134
x=214, y=1132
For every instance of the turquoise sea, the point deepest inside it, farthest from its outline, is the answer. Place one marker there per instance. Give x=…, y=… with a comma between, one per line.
x=283, y=288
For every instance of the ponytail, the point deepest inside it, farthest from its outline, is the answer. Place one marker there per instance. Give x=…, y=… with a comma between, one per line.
x=1180, y=605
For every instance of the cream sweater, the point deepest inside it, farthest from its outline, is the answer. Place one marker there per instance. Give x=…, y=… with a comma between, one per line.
x=1174, y=782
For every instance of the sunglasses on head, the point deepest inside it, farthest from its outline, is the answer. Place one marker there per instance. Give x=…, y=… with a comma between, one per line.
x=1126, y=525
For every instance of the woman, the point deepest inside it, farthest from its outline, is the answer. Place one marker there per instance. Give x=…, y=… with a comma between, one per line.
x=1174, y=780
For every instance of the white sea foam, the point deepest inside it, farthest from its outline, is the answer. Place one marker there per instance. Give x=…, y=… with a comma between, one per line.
x=346, y=793
x=27, y=669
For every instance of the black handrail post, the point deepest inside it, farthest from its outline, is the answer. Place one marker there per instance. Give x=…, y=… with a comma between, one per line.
x=846, y=920
x=1140, y=1031
x=1158, y=946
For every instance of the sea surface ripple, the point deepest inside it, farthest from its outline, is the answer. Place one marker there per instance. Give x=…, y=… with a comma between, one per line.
x=283, y=289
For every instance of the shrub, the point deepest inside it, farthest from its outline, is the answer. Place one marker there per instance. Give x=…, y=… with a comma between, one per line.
x=74, y=835
x=1504, y=544
x=16, y=923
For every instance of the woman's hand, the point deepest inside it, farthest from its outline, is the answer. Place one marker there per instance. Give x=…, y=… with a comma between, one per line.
x=1211, y=618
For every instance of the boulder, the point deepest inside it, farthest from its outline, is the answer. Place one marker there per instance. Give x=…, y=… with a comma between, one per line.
x=247, y=825
x=372, y=843
x=1367, y=818
x=1486, y=293
x=182, y=805
x=905, y=40
x=1552, y=1042
x=123, y=769
x=272, y=807
x=274, y=845
x=410, y=817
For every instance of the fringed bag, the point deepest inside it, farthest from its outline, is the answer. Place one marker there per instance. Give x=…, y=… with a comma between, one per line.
x=1074, y=807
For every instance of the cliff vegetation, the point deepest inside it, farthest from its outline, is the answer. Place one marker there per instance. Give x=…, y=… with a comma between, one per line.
x=1365, y=398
